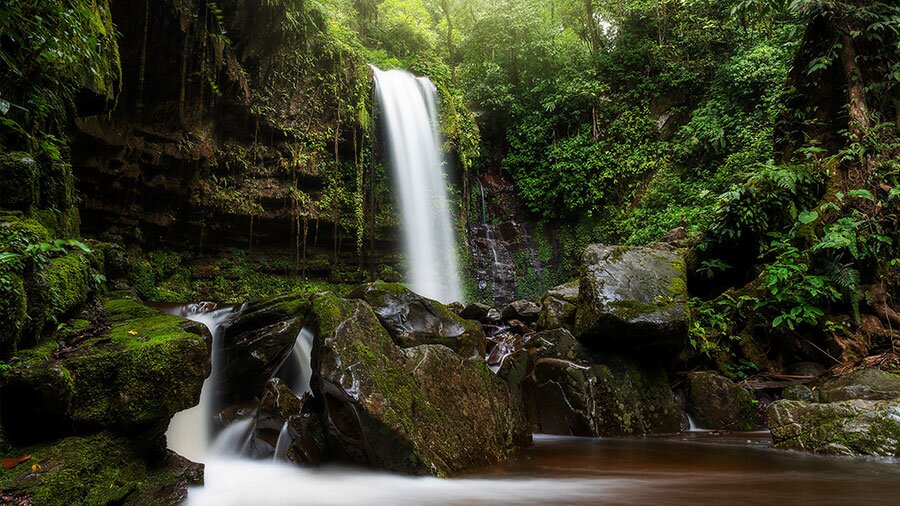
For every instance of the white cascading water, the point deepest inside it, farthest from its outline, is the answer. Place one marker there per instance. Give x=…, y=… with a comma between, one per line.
x=409, y=108
x=189, y=433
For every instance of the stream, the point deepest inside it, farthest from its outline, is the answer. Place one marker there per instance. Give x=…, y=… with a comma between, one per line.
x=688, y=468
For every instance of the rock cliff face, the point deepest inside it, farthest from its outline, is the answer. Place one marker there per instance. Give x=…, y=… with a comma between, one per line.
x=226, y=134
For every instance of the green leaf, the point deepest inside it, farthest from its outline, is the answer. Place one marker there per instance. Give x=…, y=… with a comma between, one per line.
x=866, y=194
x=807, y=217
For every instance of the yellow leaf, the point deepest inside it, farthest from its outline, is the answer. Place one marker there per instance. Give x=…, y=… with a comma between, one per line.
x=132, y=332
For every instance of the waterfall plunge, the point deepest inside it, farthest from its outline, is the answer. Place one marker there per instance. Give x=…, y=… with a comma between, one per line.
x=409, y=108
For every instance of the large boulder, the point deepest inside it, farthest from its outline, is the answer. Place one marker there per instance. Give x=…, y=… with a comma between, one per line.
x=631, y=297
x=412, y=319
x=421, y=410
x=135, y=372
x=614, y=397
x=256, y=340
x=558, y=306
x=869, y=384
x=716, y=402
x=854, y=427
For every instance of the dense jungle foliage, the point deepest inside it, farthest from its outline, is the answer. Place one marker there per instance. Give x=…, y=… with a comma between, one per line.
x=767, y=129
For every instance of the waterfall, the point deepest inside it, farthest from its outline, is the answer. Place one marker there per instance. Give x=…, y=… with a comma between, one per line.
x=409, y=108
x=296, y=370
x=190, y=431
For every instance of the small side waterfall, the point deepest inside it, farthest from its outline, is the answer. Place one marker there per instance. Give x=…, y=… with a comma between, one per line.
x=409, y=108
x=190, y=431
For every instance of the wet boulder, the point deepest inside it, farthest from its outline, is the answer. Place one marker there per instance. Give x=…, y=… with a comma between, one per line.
x=308, y=443
x=631, y=297
x=418, y=410
x=869, y=384
x=614, y=397
x=523, y=310
x=557, y=343
x=558, y=306
x=716, y=402
x=477, y=311
x=256, y=340
x=853, y=427
x=278, y=404
x=131, y=375
x=413, y=320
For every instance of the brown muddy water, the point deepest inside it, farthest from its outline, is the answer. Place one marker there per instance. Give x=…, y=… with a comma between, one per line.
x=691, y=468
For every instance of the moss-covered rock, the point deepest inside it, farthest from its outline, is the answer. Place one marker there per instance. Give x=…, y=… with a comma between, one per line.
x=716, y=402
x=870, y=384
x=613, y=397
x=142, y=370
x=100, y=469
x=558, y=306
x=69, y=280
x=631, y=297
x=419, y=410
x=854, y=427
x=13, y=314
x=413, y=320
x=19, y=178
x=65, y=223
x=17, y=232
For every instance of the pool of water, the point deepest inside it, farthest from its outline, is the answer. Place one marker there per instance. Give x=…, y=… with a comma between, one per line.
x=688, y=468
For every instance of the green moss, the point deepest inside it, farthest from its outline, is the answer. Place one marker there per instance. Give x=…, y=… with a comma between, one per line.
x=630, y=309
x=17, y=232
x=70, y=279
x=678, y=288
x=100, y=469
x=113, y=381
x=13, y=312
x=19, y=176
x=64, y=224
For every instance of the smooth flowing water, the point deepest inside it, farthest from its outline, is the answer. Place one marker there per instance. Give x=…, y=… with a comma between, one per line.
x=190, y=431
x=409, y=111
x=690, y=468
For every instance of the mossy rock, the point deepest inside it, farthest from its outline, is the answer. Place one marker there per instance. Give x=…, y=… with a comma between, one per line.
x=17, y=232
x=613, y=397
x=716, y=402
x=69, y=278
x=558, y=306
x=631, y=297
x=146, y=368
x=854, y=427
x=413, y=320
x=19, y=178
x=869, y=384
x=99, y=469
x=13, y=312
x=64, y=224
x=417, y=410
